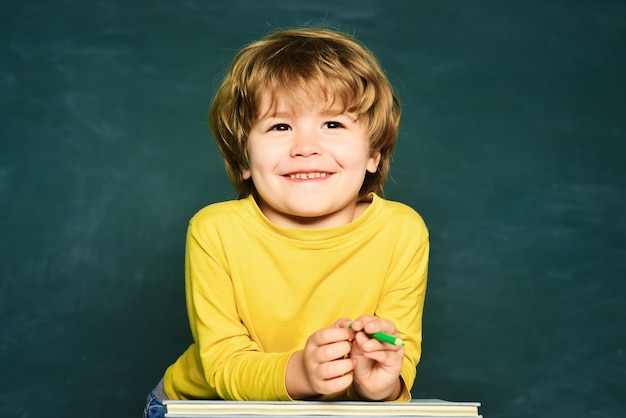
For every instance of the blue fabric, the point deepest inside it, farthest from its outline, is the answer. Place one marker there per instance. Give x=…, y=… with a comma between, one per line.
x=154, y=407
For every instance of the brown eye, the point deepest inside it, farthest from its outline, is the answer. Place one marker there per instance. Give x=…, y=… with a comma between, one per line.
x=333, y=125
x=280, y=127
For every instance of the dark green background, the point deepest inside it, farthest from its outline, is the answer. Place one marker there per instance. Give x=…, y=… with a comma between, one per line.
x=512, y=147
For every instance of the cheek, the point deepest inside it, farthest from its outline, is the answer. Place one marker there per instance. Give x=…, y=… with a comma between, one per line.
x=358, y=158
x=262, y=159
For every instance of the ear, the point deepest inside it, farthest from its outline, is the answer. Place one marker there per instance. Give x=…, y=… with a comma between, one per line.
x=245, y=173
x=373, y=161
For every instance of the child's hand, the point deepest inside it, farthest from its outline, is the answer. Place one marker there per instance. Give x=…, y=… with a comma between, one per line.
x=378, y=364
x=323, y=367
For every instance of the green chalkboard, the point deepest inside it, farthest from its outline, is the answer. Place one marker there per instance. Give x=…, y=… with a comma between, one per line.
x=512, y=147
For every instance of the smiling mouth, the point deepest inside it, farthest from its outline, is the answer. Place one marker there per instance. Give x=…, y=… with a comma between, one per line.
x=306, y=176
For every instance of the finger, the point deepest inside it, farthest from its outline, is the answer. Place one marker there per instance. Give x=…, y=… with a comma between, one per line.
x=385, y=360
x=360, y=322
x=372, y=324
x=369, y=344
x=380, y=325
x=336, y=384
x=342, y=323
x=336, y=368
x=331, y=335
x=331, y=352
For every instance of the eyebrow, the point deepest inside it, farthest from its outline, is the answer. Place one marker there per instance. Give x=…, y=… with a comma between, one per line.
x=326, y=113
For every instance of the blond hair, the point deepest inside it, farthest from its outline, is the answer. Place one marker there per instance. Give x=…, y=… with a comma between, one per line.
x=314, y=61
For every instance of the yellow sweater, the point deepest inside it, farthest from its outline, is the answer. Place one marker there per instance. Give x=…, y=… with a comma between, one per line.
x=257, y=291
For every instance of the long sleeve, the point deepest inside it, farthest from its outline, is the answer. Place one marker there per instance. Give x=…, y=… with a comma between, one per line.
x=403, y=302
x=232, y=362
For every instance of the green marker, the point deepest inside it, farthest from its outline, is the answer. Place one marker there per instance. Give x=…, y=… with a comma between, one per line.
x=386, y=338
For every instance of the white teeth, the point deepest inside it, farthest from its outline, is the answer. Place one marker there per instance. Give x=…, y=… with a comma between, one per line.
x=305, y=176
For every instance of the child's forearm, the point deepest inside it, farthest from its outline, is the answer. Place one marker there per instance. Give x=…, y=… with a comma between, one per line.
x=296, y=381
x=392, y=394
x=397, y=391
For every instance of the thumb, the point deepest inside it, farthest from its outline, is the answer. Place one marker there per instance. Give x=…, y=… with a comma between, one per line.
x=343, y=323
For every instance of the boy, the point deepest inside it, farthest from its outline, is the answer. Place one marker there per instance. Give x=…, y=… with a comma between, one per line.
x=286, y=285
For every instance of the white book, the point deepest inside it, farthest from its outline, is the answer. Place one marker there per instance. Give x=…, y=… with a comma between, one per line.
x=233, y=409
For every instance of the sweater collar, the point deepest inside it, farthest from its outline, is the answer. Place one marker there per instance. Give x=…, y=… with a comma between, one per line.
x=317, y=235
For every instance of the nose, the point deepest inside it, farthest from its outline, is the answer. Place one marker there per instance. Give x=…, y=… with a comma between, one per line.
x=305, y=144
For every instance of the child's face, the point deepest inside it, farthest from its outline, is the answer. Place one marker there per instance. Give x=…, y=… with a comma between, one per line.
x=308, y=161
